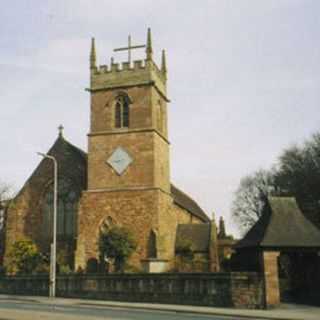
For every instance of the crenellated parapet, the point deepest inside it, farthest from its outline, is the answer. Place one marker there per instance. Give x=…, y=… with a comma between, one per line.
x=127, y=74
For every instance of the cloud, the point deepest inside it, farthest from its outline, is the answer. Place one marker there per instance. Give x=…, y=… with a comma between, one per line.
x=65, y=55
x=242, y=77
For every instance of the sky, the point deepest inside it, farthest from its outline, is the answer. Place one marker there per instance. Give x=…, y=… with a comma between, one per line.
x=243, y=80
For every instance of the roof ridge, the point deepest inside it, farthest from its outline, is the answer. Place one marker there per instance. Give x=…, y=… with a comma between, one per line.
x=73, y=146
x=196, y=210
x=59, y=139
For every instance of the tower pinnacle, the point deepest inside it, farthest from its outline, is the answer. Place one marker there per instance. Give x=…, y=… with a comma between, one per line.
x=222, y=228
x=149, y=45
x=93, y=58
x=163, y=63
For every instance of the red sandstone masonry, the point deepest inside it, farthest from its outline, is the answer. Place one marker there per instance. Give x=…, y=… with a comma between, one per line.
x=271, y=278
x=239, y=290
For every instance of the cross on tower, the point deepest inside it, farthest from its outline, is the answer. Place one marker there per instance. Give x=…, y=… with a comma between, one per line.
x=129, y=48
x=60, y=128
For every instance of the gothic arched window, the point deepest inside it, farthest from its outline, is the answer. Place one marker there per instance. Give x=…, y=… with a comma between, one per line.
x=67, y=210
x=122, y=111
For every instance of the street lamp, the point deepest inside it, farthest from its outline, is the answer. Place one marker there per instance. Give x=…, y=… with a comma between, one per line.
x=52, y=285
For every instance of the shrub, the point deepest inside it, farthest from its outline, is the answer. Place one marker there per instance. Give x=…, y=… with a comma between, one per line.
x=65, y=269
x=118, y=244
x=23, y=257
x=184, y=255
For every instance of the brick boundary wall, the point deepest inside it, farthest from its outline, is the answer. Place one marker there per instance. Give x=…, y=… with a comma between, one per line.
x=236, y=289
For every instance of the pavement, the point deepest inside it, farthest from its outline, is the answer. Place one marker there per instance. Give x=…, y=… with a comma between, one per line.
x=283, y=312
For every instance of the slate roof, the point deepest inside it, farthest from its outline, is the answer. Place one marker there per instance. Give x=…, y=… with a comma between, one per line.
x=282, y=225
x=198, y=234
x=71, y=160
x=61, y=145
x=184, y=201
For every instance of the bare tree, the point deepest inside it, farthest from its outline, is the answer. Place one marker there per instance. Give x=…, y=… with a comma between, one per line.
x=297, y=175
x=6, y=194
x=250, y=197
x=5, y=191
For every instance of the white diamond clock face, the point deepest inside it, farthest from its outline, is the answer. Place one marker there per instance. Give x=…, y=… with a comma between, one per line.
x=119, y=160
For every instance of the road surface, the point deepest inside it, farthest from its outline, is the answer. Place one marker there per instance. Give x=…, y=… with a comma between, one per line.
x=13, y=309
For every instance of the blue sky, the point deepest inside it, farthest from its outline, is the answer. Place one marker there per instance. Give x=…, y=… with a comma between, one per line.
x=243, y=79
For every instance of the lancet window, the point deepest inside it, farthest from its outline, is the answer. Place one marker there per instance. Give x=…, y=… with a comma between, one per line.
x=122, y=112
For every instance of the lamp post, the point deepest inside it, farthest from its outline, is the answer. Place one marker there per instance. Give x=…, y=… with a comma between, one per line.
x=52, y=285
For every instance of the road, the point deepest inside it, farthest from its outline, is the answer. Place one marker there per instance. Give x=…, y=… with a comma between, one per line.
x=33, y=310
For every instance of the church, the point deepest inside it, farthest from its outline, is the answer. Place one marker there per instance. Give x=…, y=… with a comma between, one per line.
x=123, y=179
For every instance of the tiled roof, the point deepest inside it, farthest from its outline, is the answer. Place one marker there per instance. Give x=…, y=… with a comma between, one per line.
x=71, y=160
x=184, y=201
x=282, y=225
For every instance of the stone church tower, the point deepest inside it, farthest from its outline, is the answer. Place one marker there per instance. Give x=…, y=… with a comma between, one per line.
x=128, y=158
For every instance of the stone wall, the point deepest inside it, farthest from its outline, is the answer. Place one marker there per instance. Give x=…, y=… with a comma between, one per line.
x=167, y=228
x=134, y=210
x=239, y=290
x=102, y=109
x=147, y=146
x=141, y=211
x=142, y=115
x=269, y=261
x=140, y=173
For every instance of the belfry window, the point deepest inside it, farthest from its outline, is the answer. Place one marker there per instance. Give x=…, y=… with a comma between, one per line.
x=122, y=112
